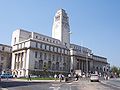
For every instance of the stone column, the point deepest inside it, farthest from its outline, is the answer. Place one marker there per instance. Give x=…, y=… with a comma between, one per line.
x=13, y=62
x=72, y=63
x=24, y=63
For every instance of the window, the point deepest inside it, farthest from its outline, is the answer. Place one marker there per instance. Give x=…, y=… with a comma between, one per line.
x=49, y=65
x=55, y=49
x=35, y=54
x=2, y=58
x=65, y=44
x=40, y=64
x=57, y=65
x=51, y=48
x=21, y=45
x=41, y=45
x=14, y=40
x=40, y=55
x=53, y=57
x=36, y=37
x=3, y=48
x=53, y=66
x=50, y=41
x=36, y=65
x=29, y=36
x=45, y=47
x=43, y=39
x=36, y=44
x=59, y=50
x=1, y=66
x=45, y=56
x=57, y=58
x=49, y=56
x=22, y=56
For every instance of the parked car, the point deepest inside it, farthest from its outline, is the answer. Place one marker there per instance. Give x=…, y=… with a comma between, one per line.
x=94, y=77
x=7, y=75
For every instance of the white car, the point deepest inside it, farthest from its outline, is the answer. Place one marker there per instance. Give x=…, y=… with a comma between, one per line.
x=94, y=77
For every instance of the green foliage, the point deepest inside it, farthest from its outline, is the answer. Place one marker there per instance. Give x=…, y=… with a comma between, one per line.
x=115, y=70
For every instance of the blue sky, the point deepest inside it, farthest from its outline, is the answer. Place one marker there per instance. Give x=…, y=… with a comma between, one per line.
x=94, y=23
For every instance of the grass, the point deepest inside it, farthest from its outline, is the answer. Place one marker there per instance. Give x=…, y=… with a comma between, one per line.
x=37, y=78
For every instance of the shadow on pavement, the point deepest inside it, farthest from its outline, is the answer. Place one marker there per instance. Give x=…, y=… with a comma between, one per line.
x=7, y=84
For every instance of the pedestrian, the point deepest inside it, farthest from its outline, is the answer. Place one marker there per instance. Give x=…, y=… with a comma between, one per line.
x=55, y=76
x=29, y=77
x=60, y=77
x=15, y=76
x=69, y=75
x=77, y=77
x=63, y=77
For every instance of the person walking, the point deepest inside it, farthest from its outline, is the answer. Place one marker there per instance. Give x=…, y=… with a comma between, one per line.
x=55, y=76
x=29, y=77
x=60, y=77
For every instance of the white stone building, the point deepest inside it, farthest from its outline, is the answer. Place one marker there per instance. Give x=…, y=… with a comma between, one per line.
x=34, y=53
x=5, y=58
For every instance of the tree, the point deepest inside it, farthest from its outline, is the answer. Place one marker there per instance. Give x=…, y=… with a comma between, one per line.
x=115, y=70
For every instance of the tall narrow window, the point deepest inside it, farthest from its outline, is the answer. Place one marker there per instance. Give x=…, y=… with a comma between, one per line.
x=14, y=40
x=36, y=44
x=35, y=54
x=45, y=56
x=3, y=48
x=41, y=55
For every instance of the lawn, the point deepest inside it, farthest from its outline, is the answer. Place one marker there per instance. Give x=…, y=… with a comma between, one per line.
x=37, y=78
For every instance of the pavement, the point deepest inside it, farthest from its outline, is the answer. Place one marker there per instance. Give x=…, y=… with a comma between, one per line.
x=28, y=82
x=114, y=82
x=22, y=80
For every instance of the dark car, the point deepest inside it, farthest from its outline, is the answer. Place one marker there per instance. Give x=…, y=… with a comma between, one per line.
x=7, y=75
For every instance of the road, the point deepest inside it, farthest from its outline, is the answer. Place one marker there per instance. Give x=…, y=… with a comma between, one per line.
x=76, y=85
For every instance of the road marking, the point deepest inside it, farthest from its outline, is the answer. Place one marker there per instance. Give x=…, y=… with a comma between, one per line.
x=55, y=88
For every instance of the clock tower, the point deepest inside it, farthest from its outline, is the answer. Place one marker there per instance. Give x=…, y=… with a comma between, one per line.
x=61, y=28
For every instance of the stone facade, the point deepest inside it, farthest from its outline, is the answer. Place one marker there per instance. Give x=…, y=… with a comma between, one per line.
x=5, y=58
x=34, y=53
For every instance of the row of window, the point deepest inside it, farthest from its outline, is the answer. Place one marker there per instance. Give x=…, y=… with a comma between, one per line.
x=3, y=48
x=47, y=39
x=18, y=65
x=19, y=56
x=44, y=47
x=49, y=56
x=50, y=66
x=51, y=48
x=99, y=59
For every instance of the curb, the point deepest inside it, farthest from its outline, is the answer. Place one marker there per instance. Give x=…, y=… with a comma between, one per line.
x=37, y=81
